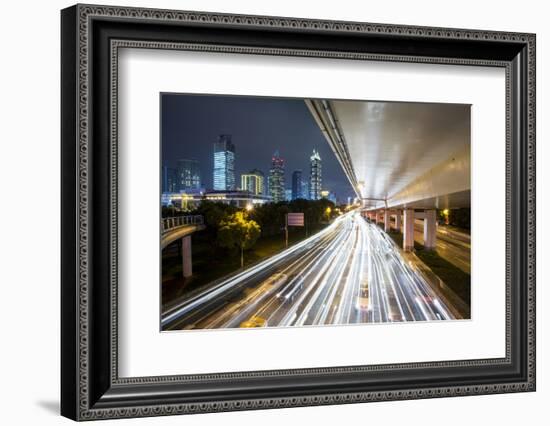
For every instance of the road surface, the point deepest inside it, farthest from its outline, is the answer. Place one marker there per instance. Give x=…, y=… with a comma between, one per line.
x=349, y=273
x=451, y=245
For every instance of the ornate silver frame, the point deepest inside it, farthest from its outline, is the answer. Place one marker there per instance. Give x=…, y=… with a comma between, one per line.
x=91, y=388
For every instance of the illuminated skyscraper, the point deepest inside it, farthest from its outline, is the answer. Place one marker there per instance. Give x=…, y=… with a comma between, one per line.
x=288, y=194
x=315, y=176
x=305, y=189
x=329, y=196
x=253, y=182
x=188, y=175
x=297, y=184
x=224, y=164
x=277, y=178
x=169, y=179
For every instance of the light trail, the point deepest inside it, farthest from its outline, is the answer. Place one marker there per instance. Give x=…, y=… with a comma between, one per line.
x=178, y=311
x=349, y=273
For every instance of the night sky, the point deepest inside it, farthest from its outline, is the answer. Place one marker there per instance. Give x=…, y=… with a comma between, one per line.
x=259, y=126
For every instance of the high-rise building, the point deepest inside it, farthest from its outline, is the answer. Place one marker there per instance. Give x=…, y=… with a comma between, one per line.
x=315, y=176
x=169, y=180
x=329, y=196
x=277, y=178
x=188, y=175
x=297, y=184
x=224, y=164
x=253, y=182
x=288, y=194
x=305, y=189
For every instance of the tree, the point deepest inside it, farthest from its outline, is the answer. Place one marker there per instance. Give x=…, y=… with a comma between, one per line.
x=214, y=212
x=168, y=211
x=237, y=231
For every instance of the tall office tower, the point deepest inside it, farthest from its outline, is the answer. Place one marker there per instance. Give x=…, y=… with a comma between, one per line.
x=305, y=189
x=329, y=196
x=188, y=175
x=315, y=177
x=288, y=194
x=277, y=178
x=297, y=184
x=253, y=182
x=224, y=164
x=169, y=179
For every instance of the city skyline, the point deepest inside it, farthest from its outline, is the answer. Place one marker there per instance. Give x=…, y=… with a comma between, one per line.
x=187, y=178
x=259, y=127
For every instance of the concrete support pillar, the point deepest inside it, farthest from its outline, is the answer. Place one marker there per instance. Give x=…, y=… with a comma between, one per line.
x=398, y=221
x=387, y=224
x=186, y=256
x=408, y=230
x=430, y=229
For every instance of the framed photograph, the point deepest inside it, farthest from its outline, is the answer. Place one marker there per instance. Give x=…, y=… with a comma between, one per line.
x=263, y=212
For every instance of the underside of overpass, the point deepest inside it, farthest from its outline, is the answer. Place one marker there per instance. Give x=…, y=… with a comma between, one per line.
x=398, y=154
x=404, y=160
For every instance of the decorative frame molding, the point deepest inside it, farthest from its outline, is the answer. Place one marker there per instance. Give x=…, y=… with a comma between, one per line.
x=91, y=388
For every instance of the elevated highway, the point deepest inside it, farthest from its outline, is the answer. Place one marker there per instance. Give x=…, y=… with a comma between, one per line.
x=404, y=161
x=180, y=228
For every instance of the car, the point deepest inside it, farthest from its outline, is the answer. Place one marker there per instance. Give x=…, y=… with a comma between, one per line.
x=362, y=303
x=254, y=322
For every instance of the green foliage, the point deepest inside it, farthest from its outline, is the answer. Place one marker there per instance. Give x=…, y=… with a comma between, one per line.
x=169, y=211
x=454, y=277
x=271, y=216
x=237, y=231
x=213, y=214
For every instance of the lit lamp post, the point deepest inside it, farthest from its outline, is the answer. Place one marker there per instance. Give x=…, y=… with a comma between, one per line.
x=248, y=208
x=446, y=216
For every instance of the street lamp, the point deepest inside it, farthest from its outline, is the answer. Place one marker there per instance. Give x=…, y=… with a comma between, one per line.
x=446, y=216
x=249, y=207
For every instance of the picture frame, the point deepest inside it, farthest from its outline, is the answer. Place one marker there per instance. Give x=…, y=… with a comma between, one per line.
x=90, y=385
